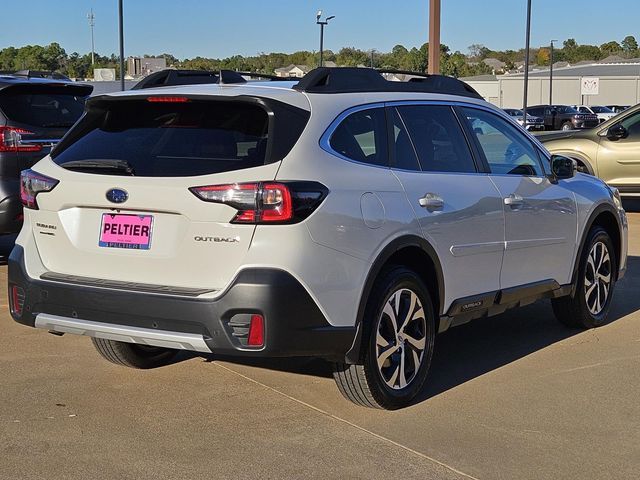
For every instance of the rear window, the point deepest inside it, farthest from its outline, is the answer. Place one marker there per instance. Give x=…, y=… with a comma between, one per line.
x=42, y=109
x=168, y=139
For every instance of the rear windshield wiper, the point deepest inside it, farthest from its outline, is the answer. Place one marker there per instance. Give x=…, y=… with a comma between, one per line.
x=100, y=164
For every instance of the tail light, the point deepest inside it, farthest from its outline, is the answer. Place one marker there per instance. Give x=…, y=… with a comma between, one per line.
x=11, y=140
x=266, y=202
x=16, y=300
x=166, y=99
x=31, y=184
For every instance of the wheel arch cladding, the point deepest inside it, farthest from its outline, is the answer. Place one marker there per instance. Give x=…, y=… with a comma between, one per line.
x=414, y=253
x=603, y=216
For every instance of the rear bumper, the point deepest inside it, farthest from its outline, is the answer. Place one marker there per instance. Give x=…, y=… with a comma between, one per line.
x=294, y=325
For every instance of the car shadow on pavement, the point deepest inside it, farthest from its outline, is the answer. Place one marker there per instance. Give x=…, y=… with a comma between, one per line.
x=631, y=205
x=479, y=347
x=6, y=245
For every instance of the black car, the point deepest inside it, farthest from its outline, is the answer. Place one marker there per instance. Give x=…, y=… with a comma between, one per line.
x=563, y=117
x=35, y=113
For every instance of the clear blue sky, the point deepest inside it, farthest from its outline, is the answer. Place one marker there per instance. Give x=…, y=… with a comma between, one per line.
x=215, y=28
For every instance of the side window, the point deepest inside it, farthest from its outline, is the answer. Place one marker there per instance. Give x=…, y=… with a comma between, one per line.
x=437, y=138
x=632, y=124
x=402, y=151
x=507, y=150
x=362, y=137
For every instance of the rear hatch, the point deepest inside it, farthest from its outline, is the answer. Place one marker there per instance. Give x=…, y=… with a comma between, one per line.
x=132, y=160
x=37, y=115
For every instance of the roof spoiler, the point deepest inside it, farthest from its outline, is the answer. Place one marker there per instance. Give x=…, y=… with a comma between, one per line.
x=40, y=74
x=355, y=80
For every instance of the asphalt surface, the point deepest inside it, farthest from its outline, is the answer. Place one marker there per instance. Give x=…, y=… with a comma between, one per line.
x=513, y=397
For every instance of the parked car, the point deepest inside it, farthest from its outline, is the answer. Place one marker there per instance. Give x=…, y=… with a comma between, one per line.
x=611, y=151
x=307, y=219
x=618, y=108
x=35, y=113
x=603, y=113
x=563, y=117
x=533, y=123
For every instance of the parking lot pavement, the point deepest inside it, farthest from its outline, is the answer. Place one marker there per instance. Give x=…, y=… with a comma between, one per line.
x=515, y=396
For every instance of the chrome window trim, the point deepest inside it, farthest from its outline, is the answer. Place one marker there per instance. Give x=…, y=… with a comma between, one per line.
x=325, y=139
x=527, y=136
x=462, y=131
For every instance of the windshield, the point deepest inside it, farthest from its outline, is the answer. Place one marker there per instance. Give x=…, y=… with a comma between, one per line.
x=602, y=110
x=169, y=139
x=565, y=109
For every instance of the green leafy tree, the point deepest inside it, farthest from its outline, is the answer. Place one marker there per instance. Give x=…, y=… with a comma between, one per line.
x=610, y=48
x=629, y=44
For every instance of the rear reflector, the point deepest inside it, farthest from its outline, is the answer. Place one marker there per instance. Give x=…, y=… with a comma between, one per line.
x=16, y=300
x=256, y=331
x=159, y=99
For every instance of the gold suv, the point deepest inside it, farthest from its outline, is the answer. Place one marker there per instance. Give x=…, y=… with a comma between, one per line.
x=610, y=151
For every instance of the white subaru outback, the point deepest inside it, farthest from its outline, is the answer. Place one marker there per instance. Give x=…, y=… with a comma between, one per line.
x=345, y=216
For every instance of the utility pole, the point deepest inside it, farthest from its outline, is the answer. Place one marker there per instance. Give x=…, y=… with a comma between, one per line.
x=551, y=74
x=92, y=22
x=433, y=67
x=526, y=63
x=121, y=31
x=322, y=25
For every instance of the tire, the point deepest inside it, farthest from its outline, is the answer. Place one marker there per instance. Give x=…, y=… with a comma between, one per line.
x=132, y=355
x=567, y=126
x=390, y=302
x=589, y=306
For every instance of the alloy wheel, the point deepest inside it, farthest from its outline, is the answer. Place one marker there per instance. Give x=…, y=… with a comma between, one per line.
x=597, y=278
x=401, y=338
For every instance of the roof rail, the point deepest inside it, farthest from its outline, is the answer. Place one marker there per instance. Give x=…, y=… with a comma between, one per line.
x=40, y=74
x=266, y=76
x=354, y=80
x=172, y=77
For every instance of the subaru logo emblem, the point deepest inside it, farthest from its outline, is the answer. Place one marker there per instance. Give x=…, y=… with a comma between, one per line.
x=117, y=195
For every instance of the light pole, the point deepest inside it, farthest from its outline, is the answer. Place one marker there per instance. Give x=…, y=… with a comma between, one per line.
x=433, y=64
x=322, y=25
x=526, y=63
x=551, y=73
x=121, y=30
x=92, y=21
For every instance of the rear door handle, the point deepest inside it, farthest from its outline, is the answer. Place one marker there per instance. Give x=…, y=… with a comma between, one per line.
x=514, y=200
x=431, y=201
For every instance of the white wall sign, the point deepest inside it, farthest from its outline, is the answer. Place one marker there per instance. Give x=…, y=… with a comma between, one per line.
x=589, y=85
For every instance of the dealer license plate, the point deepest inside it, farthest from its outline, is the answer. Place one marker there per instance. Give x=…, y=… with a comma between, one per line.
x=126, y=231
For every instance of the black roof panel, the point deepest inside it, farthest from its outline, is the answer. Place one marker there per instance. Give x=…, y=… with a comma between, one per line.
x=355, y=80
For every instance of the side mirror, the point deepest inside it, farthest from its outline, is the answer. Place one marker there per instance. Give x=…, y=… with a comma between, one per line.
x=616, y=132
x=563, y=167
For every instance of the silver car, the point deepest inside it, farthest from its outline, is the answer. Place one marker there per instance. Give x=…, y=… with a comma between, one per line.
x=344, y=216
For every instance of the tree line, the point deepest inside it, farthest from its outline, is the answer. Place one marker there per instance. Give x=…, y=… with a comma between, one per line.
x=53, y=57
